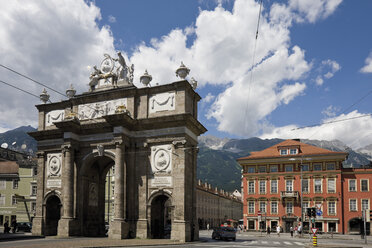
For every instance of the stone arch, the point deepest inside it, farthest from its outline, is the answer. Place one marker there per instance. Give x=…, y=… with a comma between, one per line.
x=92, y=180
x=53, y=209
x=161, y=214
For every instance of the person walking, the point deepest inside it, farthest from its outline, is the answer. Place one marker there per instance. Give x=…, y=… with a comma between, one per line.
x=6, y=227
x=278, y=230
x=291, y=231
x=268, y=231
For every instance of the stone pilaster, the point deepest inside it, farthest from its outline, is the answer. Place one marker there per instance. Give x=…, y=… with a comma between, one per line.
x=118, y=227
x=67, y=225
x=38, y=220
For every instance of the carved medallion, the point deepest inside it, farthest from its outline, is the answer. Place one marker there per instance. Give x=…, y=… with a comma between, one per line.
x=54, y=164
x=161, y=159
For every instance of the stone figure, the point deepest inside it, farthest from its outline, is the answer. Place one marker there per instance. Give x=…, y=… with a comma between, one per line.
x=122, y=70
x=95, y=76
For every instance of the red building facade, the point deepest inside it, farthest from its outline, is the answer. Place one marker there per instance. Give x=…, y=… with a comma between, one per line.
x=272, y=193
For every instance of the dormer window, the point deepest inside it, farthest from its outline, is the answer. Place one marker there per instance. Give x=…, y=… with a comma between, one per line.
x=293, y=151
x=283, y=152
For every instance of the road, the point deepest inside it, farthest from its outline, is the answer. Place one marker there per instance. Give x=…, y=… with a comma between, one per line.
x=250, y=240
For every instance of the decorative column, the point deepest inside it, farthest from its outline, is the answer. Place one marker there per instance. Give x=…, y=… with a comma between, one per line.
x=119, y=228
x=38, y=220
x=67, y=225
x=119, y=182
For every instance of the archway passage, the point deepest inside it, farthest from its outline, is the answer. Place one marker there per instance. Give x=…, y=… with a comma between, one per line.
x=53, y=214
x=93, y=190
x=161, y=221
x=356, y=226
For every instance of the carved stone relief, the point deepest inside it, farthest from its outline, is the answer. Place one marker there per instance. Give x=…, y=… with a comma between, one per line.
x=54, y=116
x=161, y=159
x=99, y=109
x=162, y=102
x=54, y=164
x=93, y=194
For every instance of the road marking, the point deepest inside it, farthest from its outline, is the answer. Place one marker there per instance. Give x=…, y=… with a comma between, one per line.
x=298, y=243
x=287, y=243
x=264, y=242
x=276, y=242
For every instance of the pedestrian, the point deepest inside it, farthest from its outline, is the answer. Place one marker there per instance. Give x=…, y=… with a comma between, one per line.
x=6, y=227
x=291, y=231
x=296, y=231
x=14, y=225
x=299, y=229
x=208, y=226
x=278, y=230
x=268, y=231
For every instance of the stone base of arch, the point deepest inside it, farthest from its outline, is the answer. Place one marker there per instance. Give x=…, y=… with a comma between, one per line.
x=119, y=229
x=142, y=230
x=68, y=227
x=37, y=226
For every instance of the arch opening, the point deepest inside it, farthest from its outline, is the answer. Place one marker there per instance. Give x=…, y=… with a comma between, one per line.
x=94, y=206
x=161, y=217
x=53, y=215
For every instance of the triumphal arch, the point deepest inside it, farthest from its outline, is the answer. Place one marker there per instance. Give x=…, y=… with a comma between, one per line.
x=148, y=135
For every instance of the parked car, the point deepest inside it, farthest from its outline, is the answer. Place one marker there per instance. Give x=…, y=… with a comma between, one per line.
x=224, y=233
x=24, y=226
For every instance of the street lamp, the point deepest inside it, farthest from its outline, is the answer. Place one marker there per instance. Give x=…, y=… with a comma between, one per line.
x=301, y=192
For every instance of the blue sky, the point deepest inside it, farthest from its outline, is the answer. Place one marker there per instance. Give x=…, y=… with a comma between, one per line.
x=311, y=59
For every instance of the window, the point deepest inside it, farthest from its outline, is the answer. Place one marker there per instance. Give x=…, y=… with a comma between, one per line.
x=289, y=167
x=305, y=205
x=2, y=184
x=305, y=167
x=263, y=207
x=33, y=190
x=352, y=205
x=34, y=171
x=283, y=152
x=262, y=187
x=289, y=207
x=305, y=185
x=274, y=186
x=274, y=207
x=364, y=185
x=251, y=187
x=262, y=169
x=251, y=207
x=365, y=204
x=289, y=185
x=331, y=208
x=251, y=169
x=273, y=168
x=15, y=184
x=331, y=185
x=14, y=200
x=318, y=185
x=317, y=167
x=2, y=200
x=352, y=185
x=331, y=166
x=293, y=151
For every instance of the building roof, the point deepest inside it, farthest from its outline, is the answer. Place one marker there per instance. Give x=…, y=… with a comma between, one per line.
x=303, y=150
x=8, y=167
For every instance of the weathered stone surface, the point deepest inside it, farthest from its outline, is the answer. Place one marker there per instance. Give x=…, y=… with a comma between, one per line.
x=153, y=153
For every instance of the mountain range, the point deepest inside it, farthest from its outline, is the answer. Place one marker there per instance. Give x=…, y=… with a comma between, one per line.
x=217, y=156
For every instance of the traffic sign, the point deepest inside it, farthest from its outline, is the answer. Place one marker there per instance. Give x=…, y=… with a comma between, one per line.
x=259, y=213
x=314, y=230
x=319, y=212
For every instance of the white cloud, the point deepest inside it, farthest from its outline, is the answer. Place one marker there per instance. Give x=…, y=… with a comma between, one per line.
x=111, y=19
x=332, y=67
x=354, y=132
x=53, y=42
x=313, y=10
x=330, y=111
x=368, y=67
x=208, y=98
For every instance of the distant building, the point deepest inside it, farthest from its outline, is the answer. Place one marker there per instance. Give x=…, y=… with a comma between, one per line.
x=17, y=186
x=215, y=206
x=272, y=192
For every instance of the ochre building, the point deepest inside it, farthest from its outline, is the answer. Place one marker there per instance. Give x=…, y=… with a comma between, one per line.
x=272, y=193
